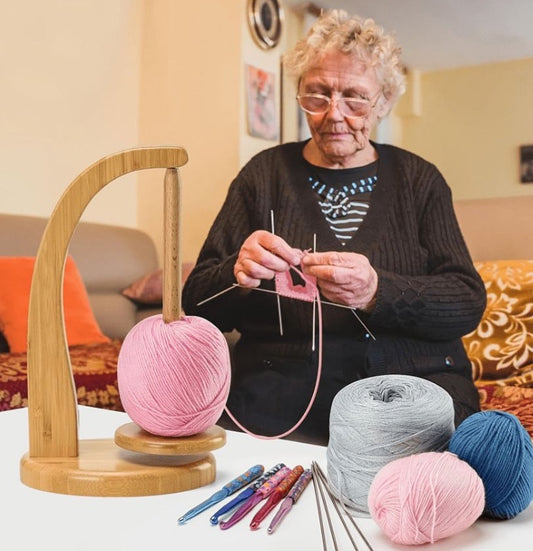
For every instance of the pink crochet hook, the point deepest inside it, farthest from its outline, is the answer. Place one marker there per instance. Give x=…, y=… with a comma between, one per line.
x=276, y=496
x=291, y=499
x=262, y=493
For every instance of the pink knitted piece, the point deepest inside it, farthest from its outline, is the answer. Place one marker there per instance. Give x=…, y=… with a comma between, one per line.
x=286, y=288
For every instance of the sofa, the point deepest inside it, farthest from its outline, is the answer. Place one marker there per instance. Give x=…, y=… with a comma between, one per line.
x=119, y=269
x=108, y=258
x=499, y=234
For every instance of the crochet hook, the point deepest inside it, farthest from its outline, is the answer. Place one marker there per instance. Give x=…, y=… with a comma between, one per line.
x=262, y=493
x=230, y=488
x=245, y=494
x=286, y=505
x=276, y=496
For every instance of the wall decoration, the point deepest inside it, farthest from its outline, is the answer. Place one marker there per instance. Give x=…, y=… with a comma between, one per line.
x=261, y=103
x=526, y=164
x=265, y=19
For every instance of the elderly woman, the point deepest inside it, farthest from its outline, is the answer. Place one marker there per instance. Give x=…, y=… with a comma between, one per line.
x=373, y=223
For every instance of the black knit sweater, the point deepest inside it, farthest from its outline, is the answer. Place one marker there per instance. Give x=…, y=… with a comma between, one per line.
x=429, y=294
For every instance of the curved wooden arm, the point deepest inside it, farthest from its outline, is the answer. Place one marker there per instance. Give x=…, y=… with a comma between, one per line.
x=52, y=404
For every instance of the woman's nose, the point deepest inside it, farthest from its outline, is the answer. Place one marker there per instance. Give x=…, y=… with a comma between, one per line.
x=334, y=112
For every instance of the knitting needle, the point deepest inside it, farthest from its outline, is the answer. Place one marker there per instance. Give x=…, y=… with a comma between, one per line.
x=334, y=500
x=319, y=510
x=322, y=480
x=215, y=295
x=278, y=299
x=361, y=322
x=233, y=285
x=317, y=485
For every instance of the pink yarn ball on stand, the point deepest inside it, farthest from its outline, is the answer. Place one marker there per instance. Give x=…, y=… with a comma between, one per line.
x=425, y=497
x=174, y=378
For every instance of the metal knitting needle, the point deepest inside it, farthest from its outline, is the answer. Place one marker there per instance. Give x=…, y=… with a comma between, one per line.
x=325, y=504
x=350, y=518
x=319, y=510
x=323, y=302
x=278, y=298
x=234, y=285
x=334, y=500
x=214, y=296
x=361, y=322
x=323, y=483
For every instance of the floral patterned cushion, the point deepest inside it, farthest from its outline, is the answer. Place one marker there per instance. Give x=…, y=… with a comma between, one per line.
x=502, y=344
x=94, y=367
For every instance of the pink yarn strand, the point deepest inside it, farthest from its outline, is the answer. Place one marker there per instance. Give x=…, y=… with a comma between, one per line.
x=317, y=381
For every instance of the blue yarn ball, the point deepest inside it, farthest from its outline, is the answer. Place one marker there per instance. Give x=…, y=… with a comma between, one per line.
x=499, y=449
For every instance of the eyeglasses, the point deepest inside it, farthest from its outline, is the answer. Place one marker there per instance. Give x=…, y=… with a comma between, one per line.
x=318, y=104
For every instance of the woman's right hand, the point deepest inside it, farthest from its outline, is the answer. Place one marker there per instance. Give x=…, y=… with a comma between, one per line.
x=261, y=256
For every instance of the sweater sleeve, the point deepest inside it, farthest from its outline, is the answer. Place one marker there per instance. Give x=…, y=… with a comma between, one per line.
x=213, y=271
x=448, y=300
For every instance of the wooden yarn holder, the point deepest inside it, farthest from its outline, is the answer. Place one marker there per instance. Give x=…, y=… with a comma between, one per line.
x=134, y=463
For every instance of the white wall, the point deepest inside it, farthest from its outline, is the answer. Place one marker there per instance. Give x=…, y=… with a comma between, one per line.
x=69, y=95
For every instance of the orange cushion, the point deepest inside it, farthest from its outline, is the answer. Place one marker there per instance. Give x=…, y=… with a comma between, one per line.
x=501, y=345
x=15, y=284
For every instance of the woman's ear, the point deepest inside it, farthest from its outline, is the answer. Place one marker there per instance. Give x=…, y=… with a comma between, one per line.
x=383, y=107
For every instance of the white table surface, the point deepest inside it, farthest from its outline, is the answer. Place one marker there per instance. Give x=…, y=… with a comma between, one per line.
x=32, y=519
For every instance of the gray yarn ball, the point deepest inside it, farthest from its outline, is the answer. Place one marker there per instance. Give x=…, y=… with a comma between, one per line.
x=376, y=420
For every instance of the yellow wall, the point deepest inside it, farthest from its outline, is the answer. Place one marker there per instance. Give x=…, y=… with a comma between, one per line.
x=471, y=123
x=69, y=95
x=193, y=94
x=81, y=80
x=190, y=96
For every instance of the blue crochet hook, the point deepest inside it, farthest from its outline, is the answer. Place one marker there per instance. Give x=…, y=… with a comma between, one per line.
x=245, y=494
x=230, y=488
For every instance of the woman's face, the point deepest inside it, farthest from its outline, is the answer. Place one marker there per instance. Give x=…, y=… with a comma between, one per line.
x=339, y=141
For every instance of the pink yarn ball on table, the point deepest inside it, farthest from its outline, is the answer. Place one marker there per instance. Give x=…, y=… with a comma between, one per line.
x=425, y=497
x=174, y=378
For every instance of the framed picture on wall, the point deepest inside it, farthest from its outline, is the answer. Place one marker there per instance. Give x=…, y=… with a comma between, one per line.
x=261, y=103
x=526, y=164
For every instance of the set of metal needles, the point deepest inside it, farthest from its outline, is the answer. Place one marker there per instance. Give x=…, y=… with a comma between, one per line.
x=322, y=495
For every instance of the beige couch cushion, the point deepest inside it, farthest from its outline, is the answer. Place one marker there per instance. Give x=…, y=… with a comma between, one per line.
x=497, y=228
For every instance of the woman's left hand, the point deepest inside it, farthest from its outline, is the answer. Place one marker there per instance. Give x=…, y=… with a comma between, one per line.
x=343, y=278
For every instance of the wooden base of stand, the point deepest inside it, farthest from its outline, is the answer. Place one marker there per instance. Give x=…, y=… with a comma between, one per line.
x=131, y=437
x=102, y=468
